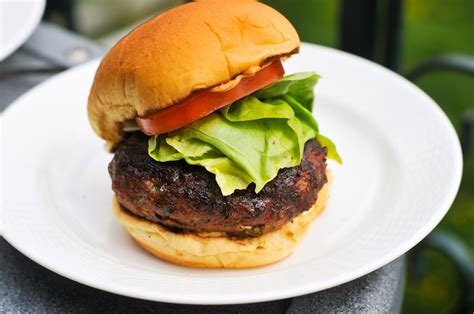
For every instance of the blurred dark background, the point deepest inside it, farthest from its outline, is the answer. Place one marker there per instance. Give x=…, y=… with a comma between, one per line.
x=431, y=42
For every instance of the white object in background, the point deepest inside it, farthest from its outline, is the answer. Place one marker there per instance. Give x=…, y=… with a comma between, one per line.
x=402, y=169
x=18, y=19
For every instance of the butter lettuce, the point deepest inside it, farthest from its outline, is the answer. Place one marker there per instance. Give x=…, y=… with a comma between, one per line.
x=250, y=140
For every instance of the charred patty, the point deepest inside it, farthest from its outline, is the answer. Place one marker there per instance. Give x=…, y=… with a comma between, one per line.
x=187, y=198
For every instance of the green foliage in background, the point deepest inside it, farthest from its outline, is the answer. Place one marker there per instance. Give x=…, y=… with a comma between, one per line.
x=430, y=28
x=433, y=28
x=315, y=20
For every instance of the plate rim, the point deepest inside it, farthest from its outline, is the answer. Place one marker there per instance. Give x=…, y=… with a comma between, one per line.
x=309, y=287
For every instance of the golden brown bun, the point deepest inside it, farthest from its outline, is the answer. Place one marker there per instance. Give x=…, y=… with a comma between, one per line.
x=190, y=47
x=219, y=251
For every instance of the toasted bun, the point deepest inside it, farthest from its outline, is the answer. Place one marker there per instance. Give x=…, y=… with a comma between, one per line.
x=201, y=250
x=194, y=46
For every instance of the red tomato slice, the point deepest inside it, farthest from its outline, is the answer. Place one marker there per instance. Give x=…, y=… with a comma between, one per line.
x=203, y=103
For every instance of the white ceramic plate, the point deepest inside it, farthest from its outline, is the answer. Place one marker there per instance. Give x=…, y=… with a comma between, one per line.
x=402, y=169
x=18, y=19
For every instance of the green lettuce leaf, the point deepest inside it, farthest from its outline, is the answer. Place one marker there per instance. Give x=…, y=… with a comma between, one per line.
x=299, y=86
x=250, y=140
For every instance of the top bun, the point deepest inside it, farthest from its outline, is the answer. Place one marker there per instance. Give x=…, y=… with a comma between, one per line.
x=194, y=46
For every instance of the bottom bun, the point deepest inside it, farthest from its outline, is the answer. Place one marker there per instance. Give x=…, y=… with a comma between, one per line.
x=215, y=249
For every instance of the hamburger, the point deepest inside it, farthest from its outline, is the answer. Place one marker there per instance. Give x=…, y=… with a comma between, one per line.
x=218, y=160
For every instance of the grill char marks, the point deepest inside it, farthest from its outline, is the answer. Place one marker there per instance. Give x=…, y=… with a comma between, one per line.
x=187, y=198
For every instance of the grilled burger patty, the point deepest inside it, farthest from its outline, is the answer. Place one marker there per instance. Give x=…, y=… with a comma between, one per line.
x=187, y=198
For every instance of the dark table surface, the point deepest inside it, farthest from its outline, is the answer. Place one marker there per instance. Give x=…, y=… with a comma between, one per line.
x=27, y=287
